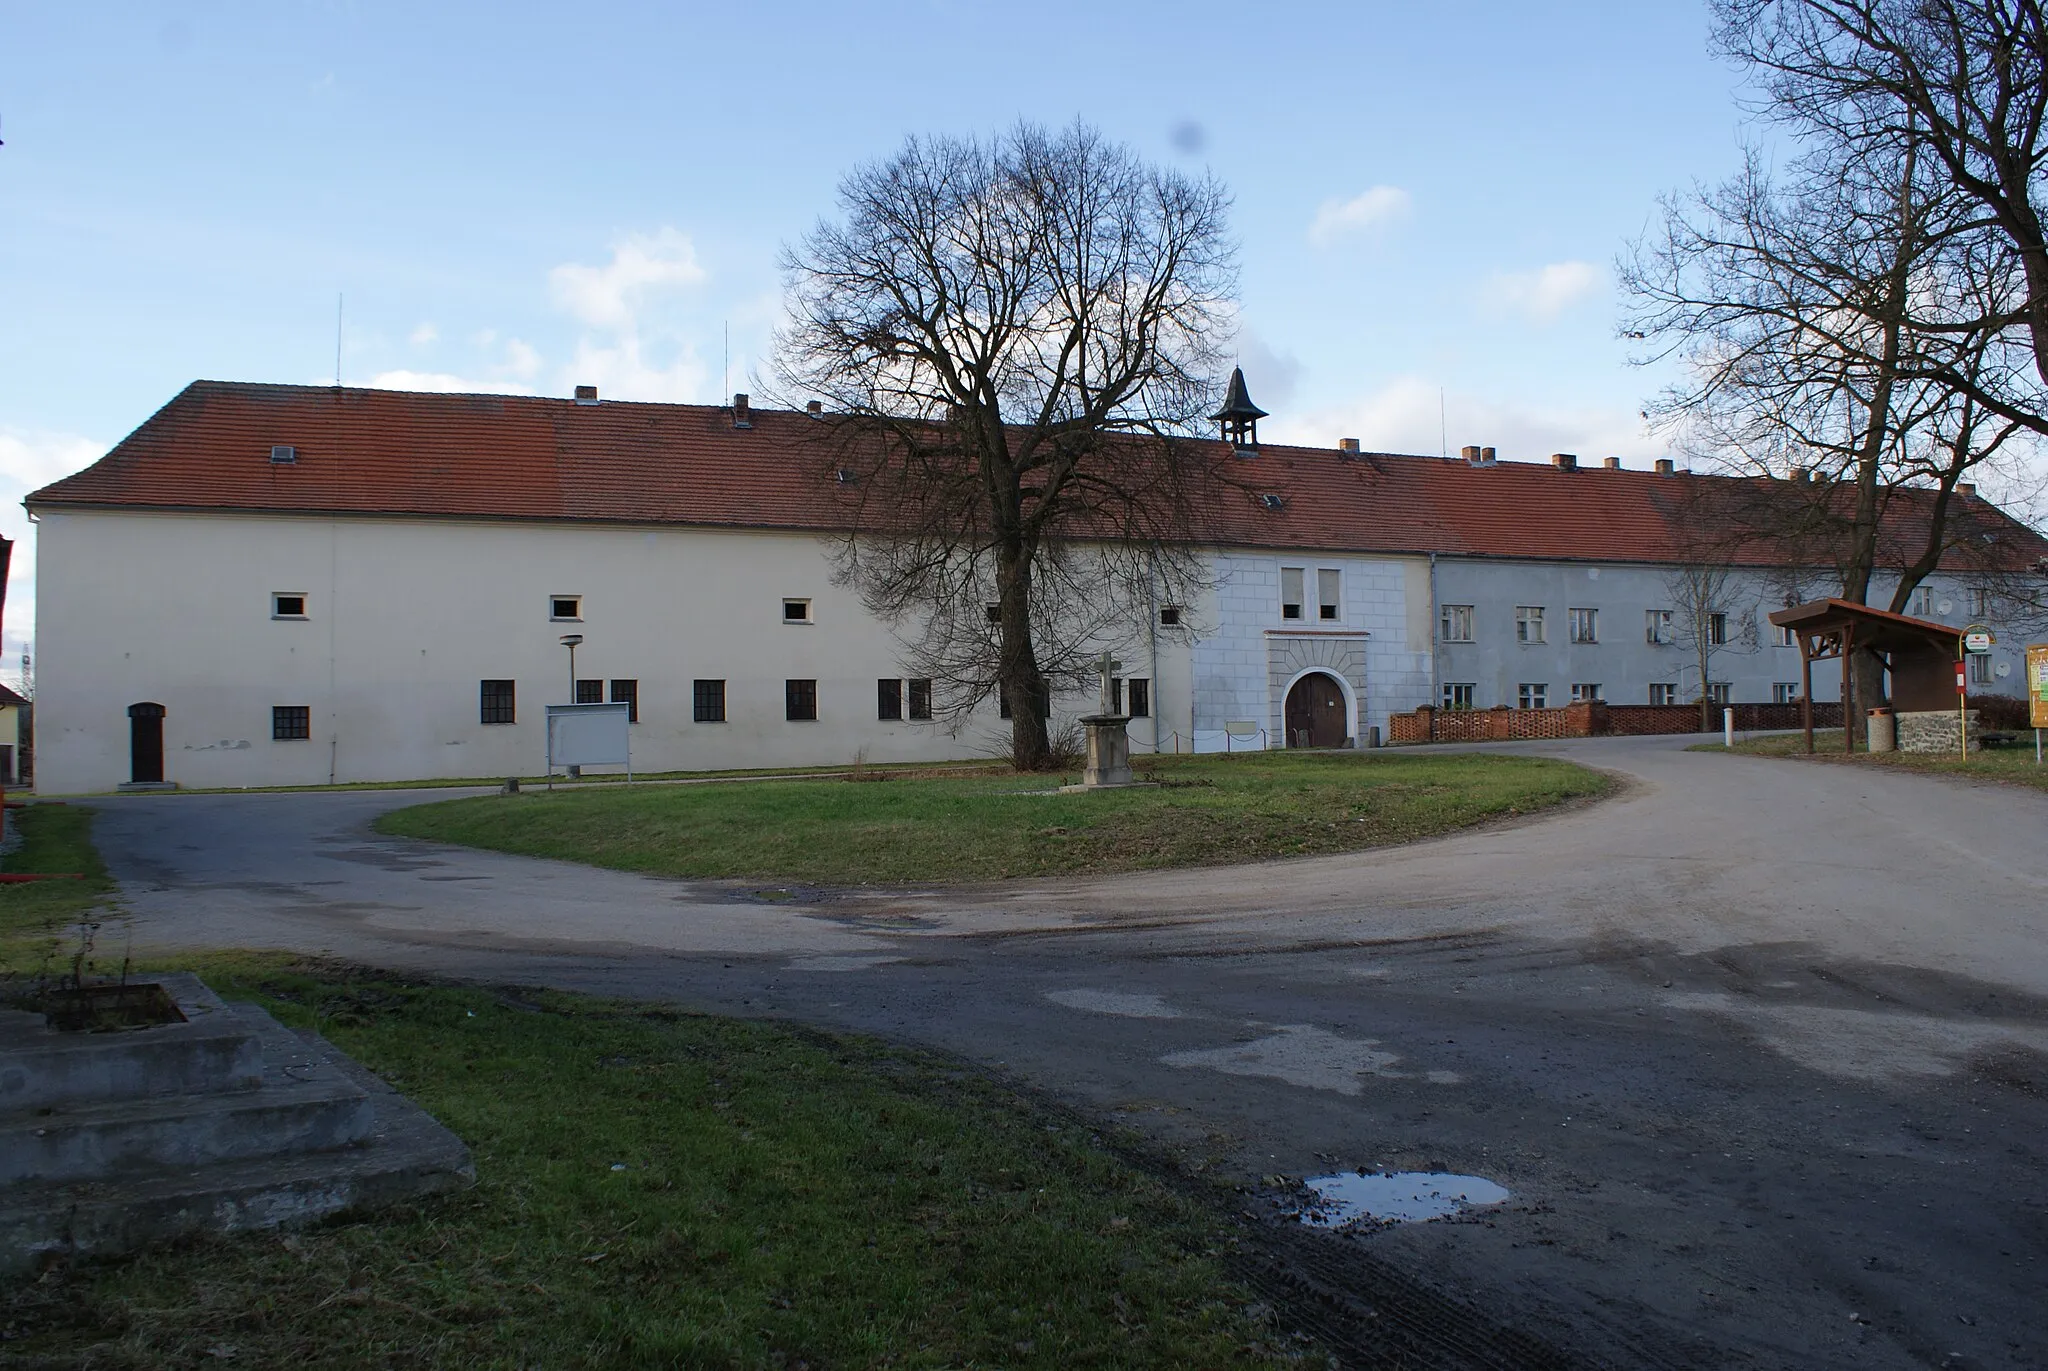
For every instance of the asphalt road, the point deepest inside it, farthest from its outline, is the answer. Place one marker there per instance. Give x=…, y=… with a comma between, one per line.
x=1759, y=1049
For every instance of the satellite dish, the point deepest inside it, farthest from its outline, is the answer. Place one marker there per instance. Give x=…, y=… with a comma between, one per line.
x=2002, y=670
x=1945, y=605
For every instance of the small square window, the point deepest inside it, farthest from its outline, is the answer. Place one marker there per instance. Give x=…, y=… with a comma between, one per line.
x=590, y=692
x=1980, y=668
x=707, y=701
x=565, y=607
x=287, y=605
x=1169, y=616
x=1663, y=693
x=627, y=693
x=1585, y=690
x=291, y=723
x=921, y=698
x=1457, y=624
x=1529, y=626
x=800, y=701
x=496, y=703
x=1141, y=697
x=1718, y=692
x=1585, y=625
x=889, y=698
x=1785, y=692
x=1534, y=695
x=796, y=611
x=1458, y=694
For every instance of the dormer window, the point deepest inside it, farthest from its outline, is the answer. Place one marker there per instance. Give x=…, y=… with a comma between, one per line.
x=283, y=455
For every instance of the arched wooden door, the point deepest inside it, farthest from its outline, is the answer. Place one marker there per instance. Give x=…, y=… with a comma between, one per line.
x=1315, y=712
x=146, y=743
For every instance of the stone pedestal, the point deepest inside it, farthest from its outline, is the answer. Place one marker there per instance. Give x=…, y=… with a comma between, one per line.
x=1109, y=751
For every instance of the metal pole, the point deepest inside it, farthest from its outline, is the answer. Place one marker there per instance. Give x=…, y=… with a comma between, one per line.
x=1728, y=725
x=1962, y=706
x=572, y=673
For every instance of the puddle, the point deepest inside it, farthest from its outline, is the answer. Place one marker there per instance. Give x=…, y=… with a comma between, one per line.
x=1129, y=1006
x=1394, y=1197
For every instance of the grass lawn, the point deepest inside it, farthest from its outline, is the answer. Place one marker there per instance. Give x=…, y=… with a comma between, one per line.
x=657, y=1188
x=39, y=920
x=1204, y=811
x=2013, y=765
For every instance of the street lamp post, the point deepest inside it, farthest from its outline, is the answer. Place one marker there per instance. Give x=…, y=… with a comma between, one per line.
x=570, y=640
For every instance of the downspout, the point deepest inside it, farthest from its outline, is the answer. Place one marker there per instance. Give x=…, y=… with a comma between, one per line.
x=1435, y=695
x=1152, y=644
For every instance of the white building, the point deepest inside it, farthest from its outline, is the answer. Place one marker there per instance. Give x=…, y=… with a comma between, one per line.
x=282, y=585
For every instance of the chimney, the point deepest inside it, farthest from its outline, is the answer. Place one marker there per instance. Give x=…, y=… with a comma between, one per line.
x=586, y=395
x=1565, y=461
x=1802, y=476
x=816, y=409
x=1348, y=446
x=1966, y=488
x=1665, y=466
x=1470, y=454
x=741, y=416
x=1486, y=456
x=1611, y=463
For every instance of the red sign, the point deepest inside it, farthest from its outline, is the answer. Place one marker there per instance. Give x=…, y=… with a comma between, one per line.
x=1961, y=689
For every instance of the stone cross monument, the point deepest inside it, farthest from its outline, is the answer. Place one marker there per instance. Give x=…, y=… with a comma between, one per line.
x=1109, y=747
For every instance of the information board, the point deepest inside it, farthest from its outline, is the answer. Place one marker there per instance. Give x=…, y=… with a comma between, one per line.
x=589, y=735
x=2037, y=682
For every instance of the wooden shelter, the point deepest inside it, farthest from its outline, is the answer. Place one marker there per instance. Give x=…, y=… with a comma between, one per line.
x=1920, y=655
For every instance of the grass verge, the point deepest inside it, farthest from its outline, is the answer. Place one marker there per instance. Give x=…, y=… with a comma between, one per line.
x=2011, y=765
x=1203, y=811
x=664, y=1189
x=39, y=920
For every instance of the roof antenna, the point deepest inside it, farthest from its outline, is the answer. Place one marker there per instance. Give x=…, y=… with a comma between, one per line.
x=725, y=367
x=1443, y=428
x=337, y=340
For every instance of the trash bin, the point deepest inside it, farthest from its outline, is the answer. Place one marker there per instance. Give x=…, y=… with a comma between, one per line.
x=1884, y=735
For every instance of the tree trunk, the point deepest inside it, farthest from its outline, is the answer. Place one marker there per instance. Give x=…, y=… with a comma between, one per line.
x=1863, y=692
x=1018, y=677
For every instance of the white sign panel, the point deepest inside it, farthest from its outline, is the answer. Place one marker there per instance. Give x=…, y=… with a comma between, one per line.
x=589, y=735
x=1976, y=642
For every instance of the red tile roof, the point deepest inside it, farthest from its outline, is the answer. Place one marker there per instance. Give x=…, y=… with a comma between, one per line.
x=520, y=457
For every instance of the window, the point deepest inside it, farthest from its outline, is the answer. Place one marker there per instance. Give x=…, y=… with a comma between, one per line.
x=1327, y=585
x=1533, y=696
x=1141, y=697
x=921, y=698
x=1663, y=693
x=994, y=612
x=495, y=703
x=800, y=701
x=1528, y=623
x=1585, y=690
x=1785, y=692
x=796, y=611
x=1923, y=600
x=1717, y=629
x=707, y=701
x=565, y=606
x=1657, y=626
x=287, y=606
x=1980, y=601
x=1458, y=694
x=291, y=723
x=889, y=698
x=1788, y=637
x=627, y=693
x=1169, y=616
x=1116, y=694
x=590, y=692
x=1457, y=623
x=1585, y=625
x=1718, y=692
x=1980, y=668
x=1290, y=592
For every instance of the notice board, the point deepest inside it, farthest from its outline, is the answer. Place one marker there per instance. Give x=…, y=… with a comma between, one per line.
x=589, y=735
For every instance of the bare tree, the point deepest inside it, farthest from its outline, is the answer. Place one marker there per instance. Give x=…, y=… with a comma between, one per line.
x=1014, y=340
x=1713, y=612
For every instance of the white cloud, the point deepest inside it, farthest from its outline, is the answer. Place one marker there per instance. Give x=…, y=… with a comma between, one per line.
x=521, y=359
x=1368, y=209
x=1543, y=294
x=625, y=369
x=611, y=296
x=1403, y=416
x=424, y=334
x=444, y=382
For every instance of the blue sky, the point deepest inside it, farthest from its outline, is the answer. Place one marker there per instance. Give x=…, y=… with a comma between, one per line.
x=525, y=197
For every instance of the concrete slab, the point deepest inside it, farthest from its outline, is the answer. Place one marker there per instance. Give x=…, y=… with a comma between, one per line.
x=214, y=1050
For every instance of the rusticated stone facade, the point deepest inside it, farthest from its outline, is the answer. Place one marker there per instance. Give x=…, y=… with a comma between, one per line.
x=1935, y=731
